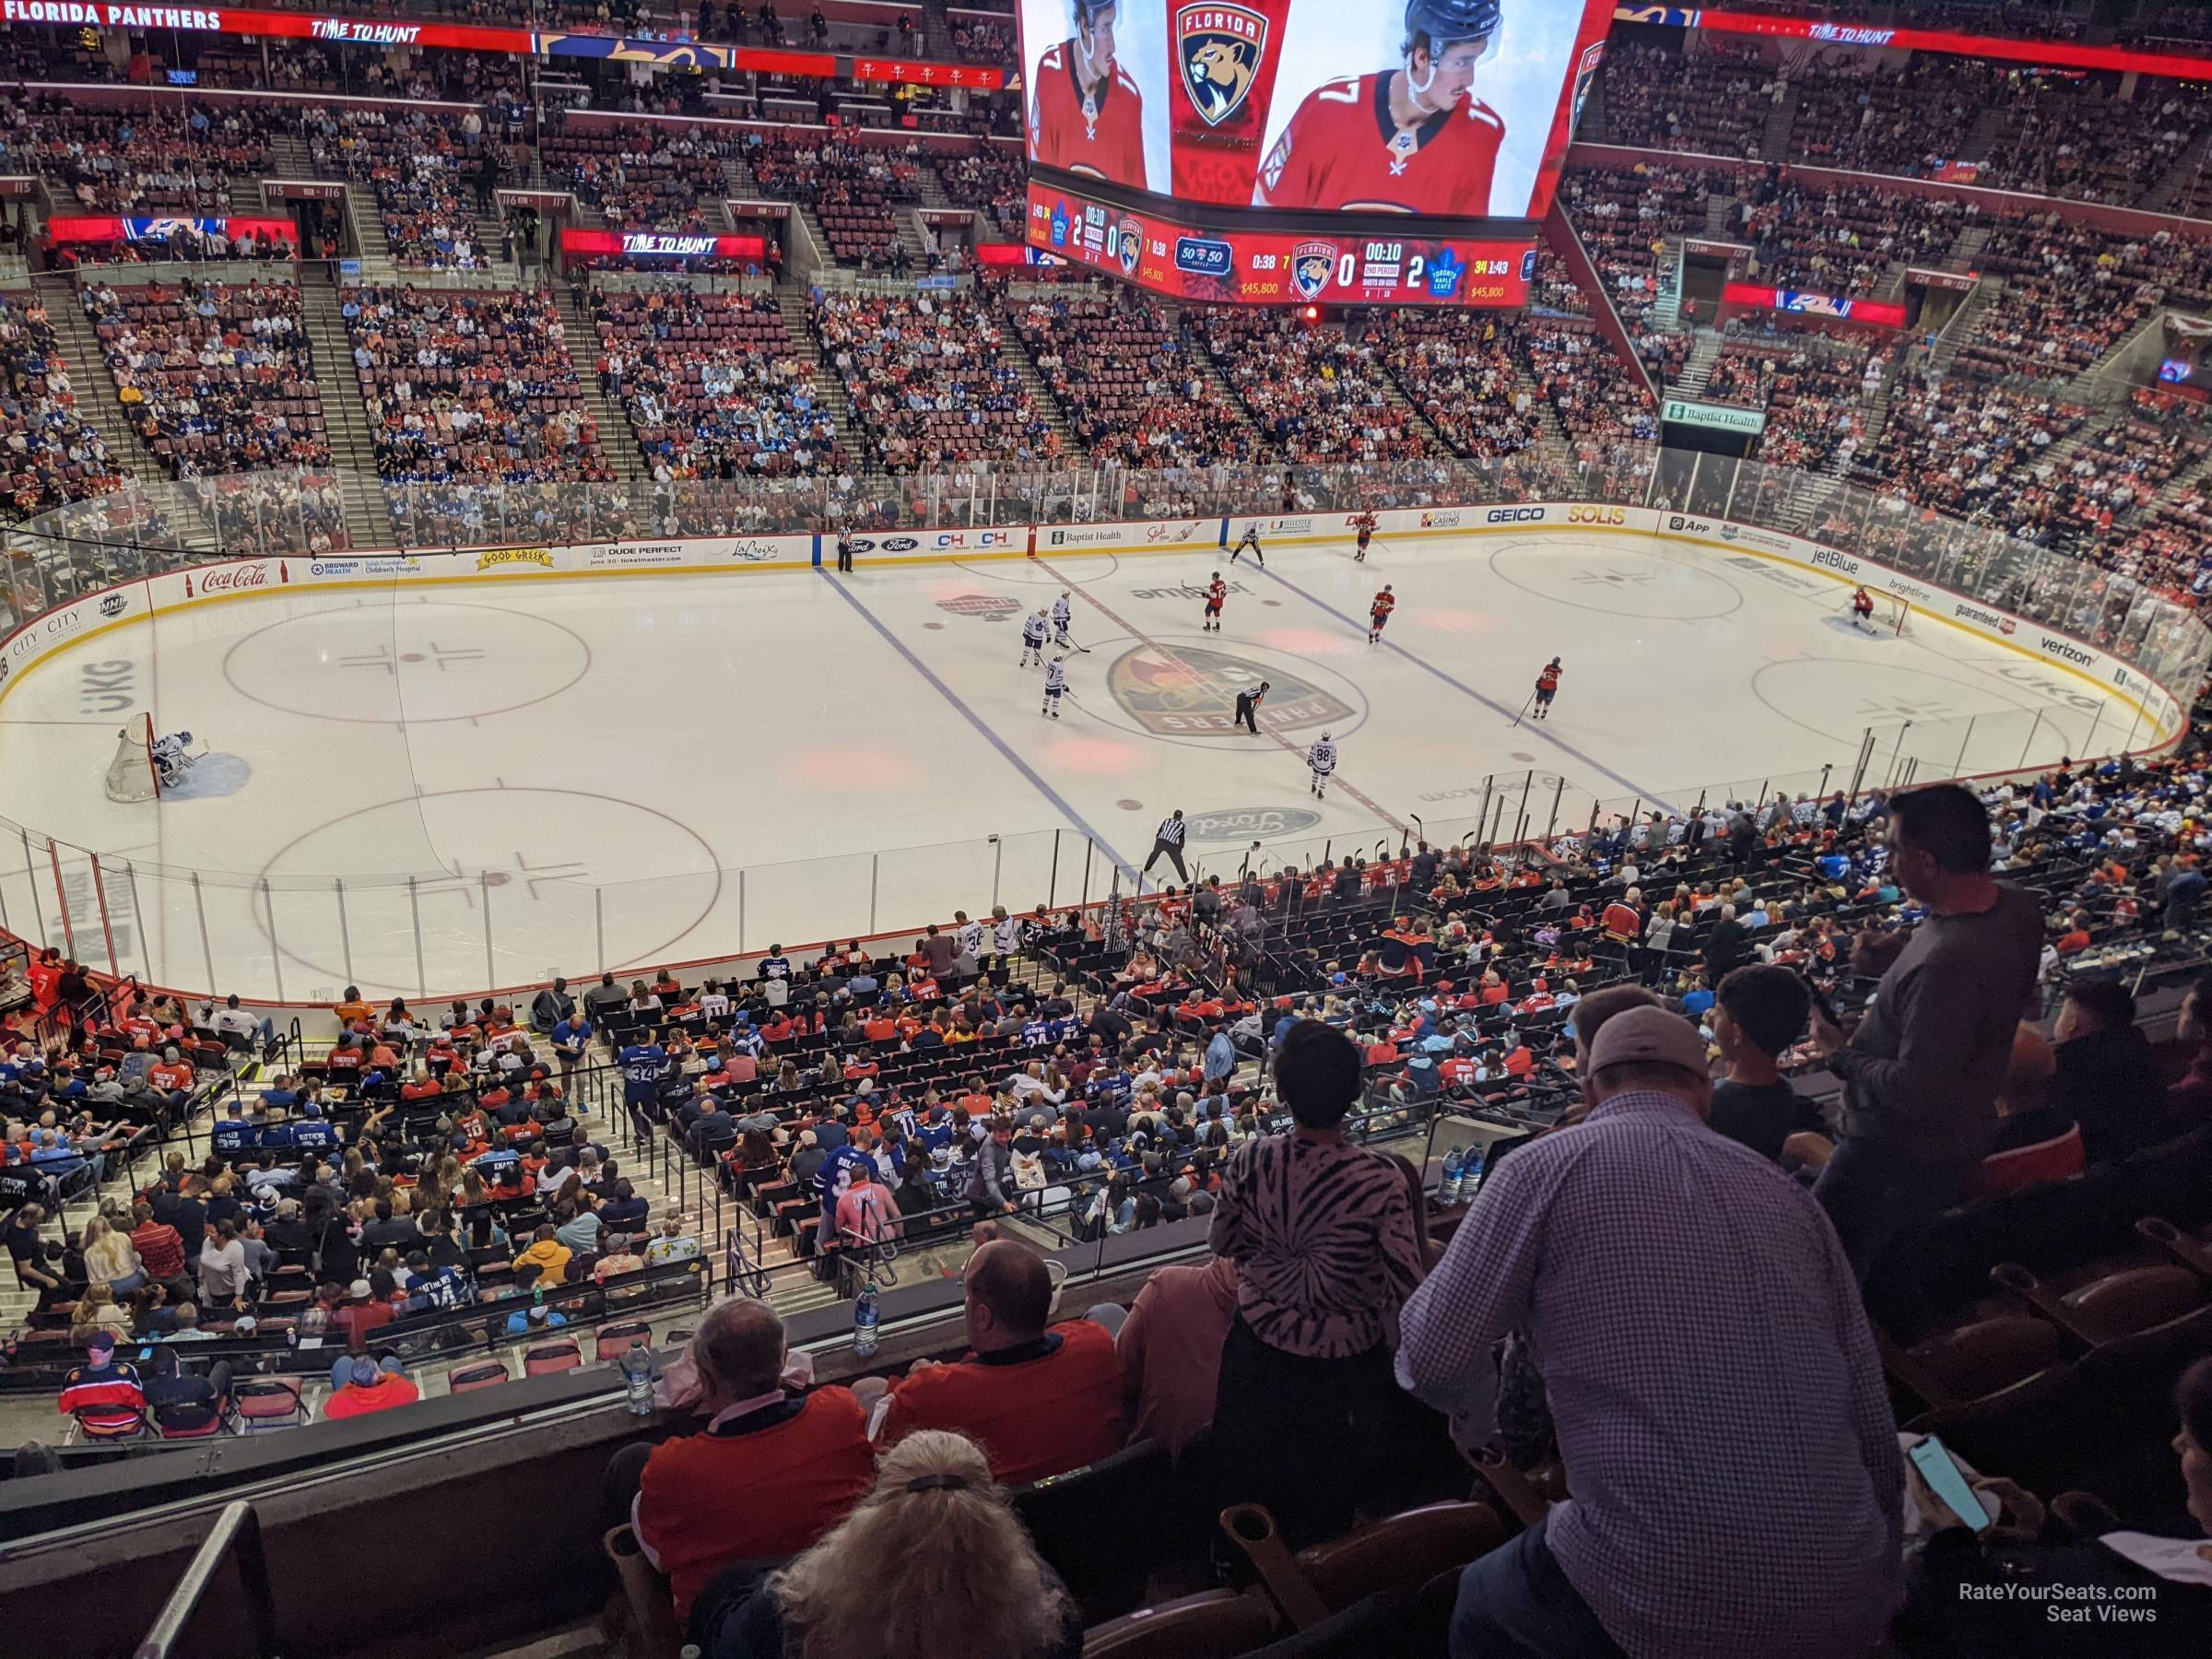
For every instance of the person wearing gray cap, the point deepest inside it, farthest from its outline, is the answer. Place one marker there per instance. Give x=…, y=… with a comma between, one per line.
x=1700, y=1339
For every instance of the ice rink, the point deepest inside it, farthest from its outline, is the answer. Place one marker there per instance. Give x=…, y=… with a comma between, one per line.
x=476, y=787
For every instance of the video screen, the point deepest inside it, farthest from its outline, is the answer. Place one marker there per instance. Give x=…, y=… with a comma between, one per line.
x=1440, y=107
x=1255, y=266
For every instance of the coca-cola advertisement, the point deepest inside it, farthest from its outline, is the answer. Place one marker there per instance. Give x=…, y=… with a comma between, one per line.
x=241, y=578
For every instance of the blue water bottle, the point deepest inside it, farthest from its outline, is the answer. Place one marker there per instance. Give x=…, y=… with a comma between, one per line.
x=863, y=1323
x=1454, y=1177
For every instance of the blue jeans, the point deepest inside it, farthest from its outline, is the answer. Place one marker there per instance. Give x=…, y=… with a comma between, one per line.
x=1516, y=1603
x=1877, y=1195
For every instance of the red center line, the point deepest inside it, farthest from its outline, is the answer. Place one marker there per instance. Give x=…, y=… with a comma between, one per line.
x=1168, y=651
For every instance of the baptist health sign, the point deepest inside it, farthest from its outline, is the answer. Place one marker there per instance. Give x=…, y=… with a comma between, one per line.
x=1726, y=417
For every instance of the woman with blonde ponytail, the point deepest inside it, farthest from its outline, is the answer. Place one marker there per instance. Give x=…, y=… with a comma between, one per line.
x=948, y=1572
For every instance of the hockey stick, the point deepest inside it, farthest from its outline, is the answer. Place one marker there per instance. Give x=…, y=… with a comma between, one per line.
x=1525, y=708
x=1068, y=641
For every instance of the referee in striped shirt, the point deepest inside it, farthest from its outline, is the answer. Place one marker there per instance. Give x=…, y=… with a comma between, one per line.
x=1168, y=841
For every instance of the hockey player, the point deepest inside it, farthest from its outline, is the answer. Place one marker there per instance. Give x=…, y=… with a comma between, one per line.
x=1035, y=630
x=1378, y=612
x=1861, y=609
x=1216, y=592
x=1321, y=761
x=1086, y=113
x=1248, y=708
x=174, y=758
x=1252, y=540
x=1365, y=525
x=1055, y=684
x=1548, y=685
x=1413, y=139
x=1063, y=613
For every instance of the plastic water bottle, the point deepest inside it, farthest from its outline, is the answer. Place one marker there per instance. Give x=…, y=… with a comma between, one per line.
x=863, y=1323
x=1454, y=1177
x=637, y=1378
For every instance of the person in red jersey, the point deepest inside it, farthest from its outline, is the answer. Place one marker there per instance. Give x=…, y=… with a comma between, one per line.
x=1085, y=114
x=1409, y=140
x=1216, y=592
x=1365, y=525
x=1378, y=612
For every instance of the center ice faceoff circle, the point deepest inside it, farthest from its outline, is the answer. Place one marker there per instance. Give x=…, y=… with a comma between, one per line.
x=376, y=663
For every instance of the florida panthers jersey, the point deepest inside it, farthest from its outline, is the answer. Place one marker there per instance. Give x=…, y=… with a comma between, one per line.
x=1343, y=150
x=1100, y=136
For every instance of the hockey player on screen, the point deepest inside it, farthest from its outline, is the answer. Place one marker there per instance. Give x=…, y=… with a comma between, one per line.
x=1064, y=615
x=1216, y=592
x=1321, y=759
x=1085, y=114
x=174, y=758
x=1861, y=608
x=1378, y=613
x=1365, y=525
x=1409, y=140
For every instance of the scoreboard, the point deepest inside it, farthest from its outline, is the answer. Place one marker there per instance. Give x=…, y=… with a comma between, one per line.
x=1188, y=261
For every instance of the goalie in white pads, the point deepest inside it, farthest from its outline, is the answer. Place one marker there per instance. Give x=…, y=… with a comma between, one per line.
x=174, y=758
x=1055, y=684
x=1322, y=761
x=1035, y=630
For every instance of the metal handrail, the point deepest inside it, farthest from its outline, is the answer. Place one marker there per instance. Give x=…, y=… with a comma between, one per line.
x=238, y=1527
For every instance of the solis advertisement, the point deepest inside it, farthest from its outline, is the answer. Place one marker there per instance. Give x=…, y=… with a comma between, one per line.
x=1196, y=261
x=1439, y=108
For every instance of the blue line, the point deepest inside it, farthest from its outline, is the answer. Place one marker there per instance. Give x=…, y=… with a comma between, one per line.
x=1460, y=686
x=982, y=726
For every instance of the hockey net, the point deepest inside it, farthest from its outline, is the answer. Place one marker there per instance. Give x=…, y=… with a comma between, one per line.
x=1892, y=612
x=132, y=775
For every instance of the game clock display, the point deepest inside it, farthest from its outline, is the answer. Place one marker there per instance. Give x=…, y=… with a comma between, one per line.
x=1278, y=267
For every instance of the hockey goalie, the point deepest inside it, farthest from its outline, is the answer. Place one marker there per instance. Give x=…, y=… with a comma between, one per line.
x=145, y=765
x=174, y=758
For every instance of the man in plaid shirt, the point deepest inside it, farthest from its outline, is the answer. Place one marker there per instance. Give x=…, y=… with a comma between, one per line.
x=1718, y=1400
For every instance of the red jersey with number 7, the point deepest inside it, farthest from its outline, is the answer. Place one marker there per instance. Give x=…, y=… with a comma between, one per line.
x=1100, y=134
x=1344, y=150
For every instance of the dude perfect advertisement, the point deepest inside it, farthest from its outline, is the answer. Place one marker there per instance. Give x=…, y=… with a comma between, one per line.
x=1440, y=107
x=1277, y=267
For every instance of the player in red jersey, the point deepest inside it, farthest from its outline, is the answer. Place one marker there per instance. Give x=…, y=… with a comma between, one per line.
x=1365, y=525
x=1410, y=140
x=1547, y=686
x=1378, y=612
x=1085, y=114
x=1861, y=608
x=1214, y=595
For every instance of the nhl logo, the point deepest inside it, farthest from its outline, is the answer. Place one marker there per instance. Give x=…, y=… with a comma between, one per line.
x=1311, y=264
x=1129, y=244
x=991, y=607
x=1219, y=48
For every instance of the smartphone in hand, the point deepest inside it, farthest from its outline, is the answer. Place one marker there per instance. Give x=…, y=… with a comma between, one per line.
x=1948, y=1481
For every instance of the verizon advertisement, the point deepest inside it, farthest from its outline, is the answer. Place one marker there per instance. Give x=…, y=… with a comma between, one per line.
x=1276, y=267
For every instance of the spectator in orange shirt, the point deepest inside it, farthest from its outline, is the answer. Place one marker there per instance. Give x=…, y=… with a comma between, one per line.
x=1044, y=1400
x=362, y=1385
x=2077, y=936
x=776, y=1468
